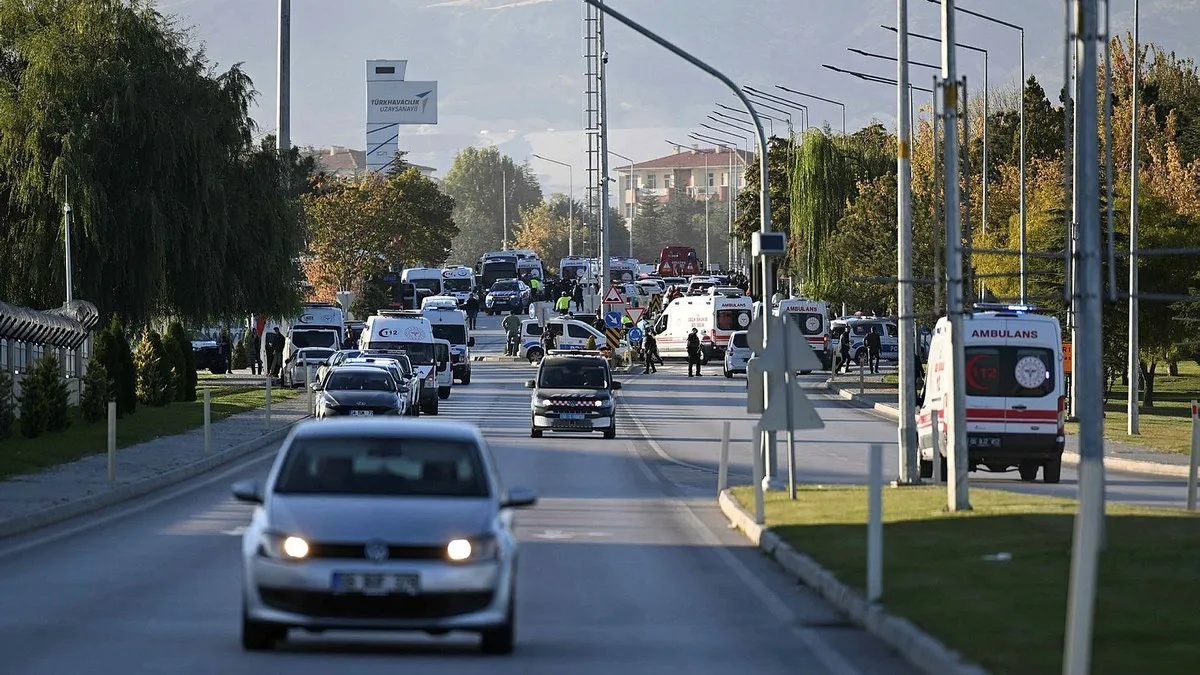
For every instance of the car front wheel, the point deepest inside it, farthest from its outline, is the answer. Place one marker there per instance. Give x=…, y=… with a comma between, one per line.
x=501, y=639
x=259, y=636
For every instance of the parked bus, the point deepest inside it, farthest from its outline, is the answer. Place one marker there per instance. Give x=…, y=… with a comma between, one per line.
x=678, y=261
x=495, y=266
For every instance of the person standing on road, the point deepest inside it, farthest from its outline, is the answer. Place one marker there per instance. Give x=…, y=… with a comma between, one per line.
x=256, y=364
x=275, y=345
x=577, y=297
x=874, y=345
x=549, y=339
x=512, y=328
x=535, y=288
x=563, y=304
x=693, y=352
x=843, y=352
x=472, y=307
x=650, y=353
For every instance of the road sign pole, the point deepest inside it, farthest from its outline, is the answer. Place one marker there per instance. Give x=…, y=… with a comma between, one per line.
x=875, y=525
x=723, y=466
x=759, y=508
x=789, y=375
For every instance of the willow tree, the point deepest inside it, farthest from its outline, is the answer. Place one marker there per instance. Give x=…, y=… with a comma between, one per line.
x=821, y=186
x=107, y=106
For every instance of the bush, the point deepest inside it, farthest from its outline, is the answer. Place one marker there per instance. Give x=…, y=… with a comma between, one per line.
x=239, y=356
x=97, y=392
x=44, y=399
x=8, y=404
x=112, y=349
x=183, y=361
x=155, y=385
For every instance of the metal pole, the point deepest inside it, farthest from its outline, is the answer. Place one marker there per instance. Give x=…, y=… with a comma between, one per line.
x=1195, y=459
x=1024, y=239
x=938, y=281
x=968, y=259
x=936, y=451
x=956, y=420
x=875, y=523
x=67, y=247
x=907, y=429
x=112, y=442
x=267, y=407
x=605, y=229
x=632, y=209
x=308, y=391
x=504, y=203
x=729, y=204
x=1108, y=155
x=571, y=211
x=986, y=119
x=723, y=466
x=759, y=478
x=1131, y=403
x=283, y=120
x=1088, y=368
x=207, y=421
x=707, y=187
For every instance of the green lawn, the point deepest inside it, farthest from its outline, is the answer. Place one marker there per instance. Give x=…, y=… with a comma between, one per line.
x=20, y=455
x=1010, y=616
x=1166, y=426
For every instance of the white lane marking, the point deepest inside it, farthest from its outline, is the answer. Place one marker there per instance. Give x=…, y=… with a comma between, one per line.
x=641, y=464
x=553, y=534
x=820, y=648
x=124, y=512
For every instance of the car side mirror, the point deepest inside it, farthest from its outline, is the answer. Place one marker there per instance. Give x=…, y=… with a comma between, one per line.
x=519, y=497
x=316, y=386
x=530, y=384
x=471, y=342
x=248, y=491
x=616, y=385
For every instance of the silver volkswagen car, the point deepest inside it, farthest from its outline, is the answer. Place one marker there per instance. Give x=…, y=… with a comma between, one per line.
x=381, y=524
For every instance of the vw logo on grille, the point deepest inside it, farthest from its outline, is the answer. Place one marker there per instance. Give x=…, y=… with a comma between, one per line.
x=376, y=550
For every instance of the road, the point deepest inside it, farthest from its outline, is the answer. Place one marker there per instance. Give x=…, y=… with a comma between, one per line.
x=624, y=569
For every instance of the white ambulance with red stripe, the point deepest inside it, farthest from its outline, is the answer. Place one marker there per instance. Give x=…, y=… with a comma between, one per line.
x=1015, y=398
x=812, y=318
x=716, y=316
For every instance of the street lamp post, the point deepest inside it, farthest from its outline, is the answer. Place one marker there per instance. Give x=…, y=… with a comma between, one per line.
x=1131, y=399
x=283, y=122
x=632, y=199
x=504, y=204
x=819, y=98
x=1024, y=238
x=570, y=201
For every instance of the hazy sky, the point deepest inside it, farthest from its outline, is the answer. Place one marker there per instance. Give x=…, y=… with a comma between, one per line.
x=510, y=72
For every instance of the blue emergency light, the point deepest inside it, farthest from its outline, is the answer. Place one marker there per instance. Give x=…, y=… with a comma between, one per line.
x=997, y=307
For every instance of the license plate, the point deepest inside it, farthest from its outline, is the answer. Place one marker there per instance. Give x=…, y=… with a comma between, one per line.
x=983, y=441
x=362, y=412
x=374, y=583
x=571, y=416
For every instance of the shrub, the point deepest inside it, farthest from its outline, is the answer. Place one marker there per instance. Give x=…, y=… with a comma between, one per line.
x=44, y=399
x=239, y=356
x=8, y=404
x=183, y=361
x=35, y=412
x=155, y=386
x=591, y=343
x=113, y=350
x=97, y=392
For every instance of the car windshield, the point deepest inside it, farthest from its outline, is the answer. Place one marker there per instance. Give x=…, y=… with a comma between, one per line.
x=733, y=319
x=433, y=285
x=383, y=467
x=455, y=334
x=360, y=380
x=573, y=374
x=1009, y=371
x=314, y=338
x=740, y=340
x=505, y=286
x=457, y=285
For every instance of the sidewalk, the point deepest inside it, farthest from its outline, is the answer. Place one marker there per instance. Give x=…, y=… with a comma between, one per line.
x=1118, y=455
x=69, y=490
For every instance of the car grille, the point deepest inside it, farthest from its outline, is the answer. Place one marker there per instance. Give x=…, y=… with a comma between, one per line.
x=574, y=403
x=358, y=552
x=353, y=606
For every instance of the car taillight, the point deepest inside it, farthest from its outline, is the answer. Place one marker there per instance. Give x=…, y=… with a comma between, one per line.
x=431, y=377
x=1062, y=414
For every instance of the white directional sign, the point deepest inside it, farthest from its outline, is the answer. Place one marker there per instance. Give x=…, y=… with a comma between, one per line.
x=775, y=417
x=798, y=354
x=754, y=386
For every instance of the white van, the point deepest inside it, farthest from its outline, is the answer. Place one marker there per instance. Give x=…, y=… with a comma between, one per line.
x=458, y=282
x=427, y=278
x=572, y=334
x=443, y=353
x=1015, y=396
x=410, y=332
x=716, y=316
x=439, y=302
x=812, y=318
x=450, y=323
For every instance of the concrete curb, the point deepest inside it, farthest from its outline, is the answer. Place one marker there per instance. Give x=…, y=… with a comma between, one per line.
x=913, y=644
x=124, y=493
x=1069, y=458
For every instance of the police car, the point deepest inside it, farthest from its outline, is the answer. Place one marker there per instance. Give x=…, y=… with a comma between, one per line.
x=859, y=327
x=573, y=392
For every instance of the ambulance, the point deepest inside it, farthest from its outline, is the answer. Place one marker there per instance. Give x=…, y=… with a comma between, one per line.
x=410, y=332
x=427, y=278
x=458, y=282
x=450, y=323
x=717, y=316
x=812, y=318
x=1015, y=397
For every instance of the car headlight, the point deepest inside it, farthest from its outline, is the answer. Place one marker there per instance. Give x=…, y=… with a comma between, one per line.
x=541, y=402
x=283, y=547
x=472, y=550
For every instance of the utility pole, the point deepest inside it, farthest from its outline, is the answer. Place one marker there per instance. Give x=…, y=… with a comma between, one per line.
x=67, y=239
x=504, y=203
x=1088, y=368
x=909, y=471
x=605, y=239
x=707, y=194
x=283, y=120
x=1134, y=376
x=956, y=480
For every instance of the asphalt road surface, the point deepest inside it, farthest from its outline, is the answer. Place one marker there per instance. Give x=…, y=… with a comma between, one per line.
x=625, y=569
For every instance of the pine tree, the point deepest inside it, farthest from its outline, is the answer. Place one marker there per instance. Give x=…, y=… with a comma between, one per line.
x=8, y=404
x=154, y=374
x=97, y=392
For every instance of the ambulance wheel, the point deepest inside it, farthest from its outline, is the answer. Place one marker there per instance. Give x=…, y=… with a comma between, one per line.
x=926, y=468
x=1052, y=470
x=1029, y=470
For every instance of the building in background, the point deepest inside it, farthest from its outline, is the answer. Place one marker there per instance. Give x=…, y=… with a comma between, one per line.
x=702, y=173
x=341, y=162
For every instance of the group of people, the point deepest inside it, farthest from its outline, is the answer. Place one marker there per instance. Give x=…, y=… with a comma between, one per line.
x=872, y=341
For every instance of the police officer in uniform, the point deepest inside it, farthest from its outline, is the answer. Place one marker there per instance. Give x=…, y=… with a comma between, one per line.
x=693, y=353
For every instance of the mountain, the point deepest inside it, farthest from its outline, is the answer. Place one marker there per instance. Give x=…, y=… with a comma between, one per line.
x=510, y=72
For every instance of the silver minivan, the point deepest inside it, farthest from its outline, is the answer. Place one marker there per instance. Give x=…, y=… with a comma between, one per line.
x=738, y=353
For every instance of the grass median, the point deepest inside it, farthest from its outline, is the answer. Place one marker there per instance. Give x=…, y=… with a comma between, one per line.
x=1010, y=616
x=19, y=455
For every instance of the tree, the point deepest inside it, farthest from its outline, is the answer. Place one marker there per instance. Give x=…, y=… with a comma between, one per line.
x=44, y=398
x=113, y=351
x=780, y=152
x=155, y=386
x=96, y=392
x=475, y=181
x=357, y=229
x=541, y=230
x=175, y=208
x=183, y=361
x=821, y=184
x=8, y=404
